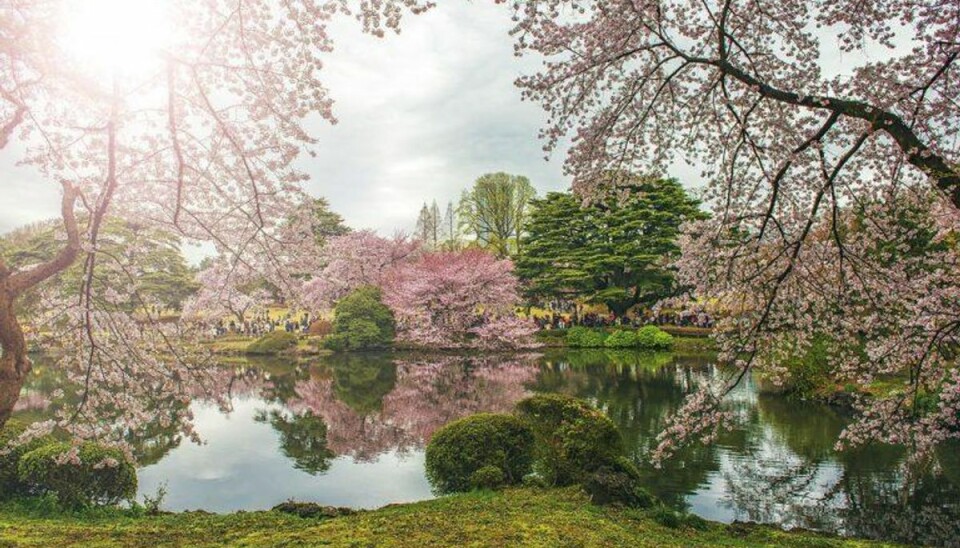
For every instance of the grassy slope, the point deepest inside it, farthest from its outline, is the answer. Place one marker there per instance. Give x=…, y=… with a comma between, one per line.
x=517, y=517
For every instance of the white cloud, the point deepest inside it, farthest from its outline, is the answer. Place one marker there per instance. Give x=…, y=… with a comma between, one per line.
x=422, y=115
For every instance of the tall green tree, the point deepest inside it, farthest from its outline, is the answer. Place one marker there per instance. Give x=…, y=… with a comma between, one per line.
x=613, y=251
x=326, y=223
x=143, y=257
x=495, y=211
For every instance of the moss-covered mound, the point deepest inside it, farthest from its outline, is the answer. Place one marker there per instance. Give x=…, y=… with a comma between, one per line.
x=518, y=517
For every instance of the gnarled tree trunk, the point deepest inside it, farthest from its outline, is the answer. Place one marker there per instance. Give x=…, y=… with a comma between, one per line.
x=14, y=363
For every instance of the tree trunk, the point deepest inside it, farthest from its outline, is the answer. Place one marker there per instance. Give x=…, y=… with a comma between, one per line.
x=14, y=364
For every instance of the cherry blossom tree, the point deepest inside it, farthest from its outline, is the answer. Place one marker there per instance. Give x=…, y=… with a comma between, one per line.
x=835, y=193
x=186, y=116
x=354, y=260
x=227, y=290
x=441, y=298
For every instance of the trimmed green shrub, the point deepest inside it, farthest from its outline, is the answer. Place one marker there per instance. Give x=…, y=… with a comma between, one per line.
x=621, y=339
x=103, y=475
x=10, y=484
x=361, y=322
x=651, y=337
x=572, y=437
x=584, y=337
x=272, y=343
x=488, y=477
x=459, y=451
x=609, y=485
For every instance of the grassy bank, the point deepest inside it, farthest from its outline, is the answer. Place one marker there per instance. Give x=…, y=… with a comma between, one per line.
x=684, y=339
x=517, y=517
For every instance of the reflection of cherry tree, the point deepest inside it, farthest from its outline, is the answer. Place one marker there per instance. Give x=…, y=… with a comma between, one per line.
x=428, y=394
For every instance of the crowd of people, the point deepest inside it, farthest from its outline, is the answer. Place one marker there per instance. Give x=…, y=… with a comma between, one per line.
x=565, y=318
x=260, y=325
x=559, y=316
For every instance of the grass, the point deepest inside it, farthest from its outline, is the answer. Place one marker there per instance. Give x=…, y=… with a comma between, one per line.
x=238, y=344
x=520, y=517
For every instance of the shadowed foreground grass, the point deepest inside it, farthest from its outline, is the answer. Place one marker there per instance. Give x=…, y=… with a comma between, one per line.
x=518, y=517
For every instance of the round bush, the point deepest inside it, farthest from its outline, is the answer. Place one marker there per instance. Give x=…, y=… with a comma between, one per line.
x=573, y=438
x=272, y=343
x=583, y=337
x=488, y=477
x=621, y=339
x=361, y=321
x=10, y=454
x=99, y=475
x=613, y=485
x=462, y=448
x=652, y=337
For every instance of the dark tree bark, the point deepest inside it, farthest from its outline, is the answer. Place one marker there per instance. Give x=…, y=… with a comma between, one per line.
x=14, y=362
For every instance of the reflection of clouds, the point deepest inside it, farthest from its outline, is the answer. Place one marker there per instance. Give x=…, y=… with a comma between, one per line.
x=777, y=466
x=771, y=484
x=427, y=395
x=871, y=496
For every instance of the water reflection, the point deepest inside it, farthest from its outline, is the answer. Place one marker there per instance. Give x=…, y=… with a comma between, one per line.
x=350, y=430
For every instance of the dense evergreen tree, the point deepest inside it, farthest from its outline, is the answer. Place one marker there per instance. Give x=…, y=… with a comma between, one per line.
x=326, y=223
x=613, y=251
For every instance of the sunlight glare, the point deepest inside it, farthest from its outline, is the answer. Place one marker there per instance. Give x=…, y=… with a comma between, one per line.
x=116, y=37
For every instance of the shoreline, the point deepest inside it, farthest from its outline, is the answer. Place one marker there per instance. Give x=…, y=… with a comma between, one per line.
x=519, y=516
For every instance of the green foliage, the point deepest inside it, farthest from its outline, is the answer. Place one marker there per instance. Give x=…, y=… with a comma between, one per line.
x=573, y=438
x=651, y=337
x=488, y=477
x=584, y=337
x=361, y=322
x=272, y=343
x=496, y=210
x=611, y=251
x=459, y=451
x=10, y=455
x=667, y=517
x=325, y=223
x=621, y=339
x=149, y=256
x=103, y=475
x=809, y=369
x=608, y=485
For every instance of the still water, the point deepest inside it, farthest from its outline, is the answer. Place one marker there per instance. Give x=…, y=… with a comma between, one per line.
x=350, y=430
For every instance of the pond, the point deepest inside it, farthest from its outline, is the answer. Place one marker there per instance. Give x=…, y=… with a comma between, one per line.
x=349, y=430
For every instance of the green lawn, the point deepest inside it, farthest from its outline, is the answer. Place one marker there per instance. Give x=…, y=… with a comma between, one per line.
x=520, y=517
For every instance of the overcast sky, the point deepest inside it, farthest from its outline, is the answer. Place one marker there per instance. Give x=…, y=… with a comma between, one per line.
x=422, y=115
